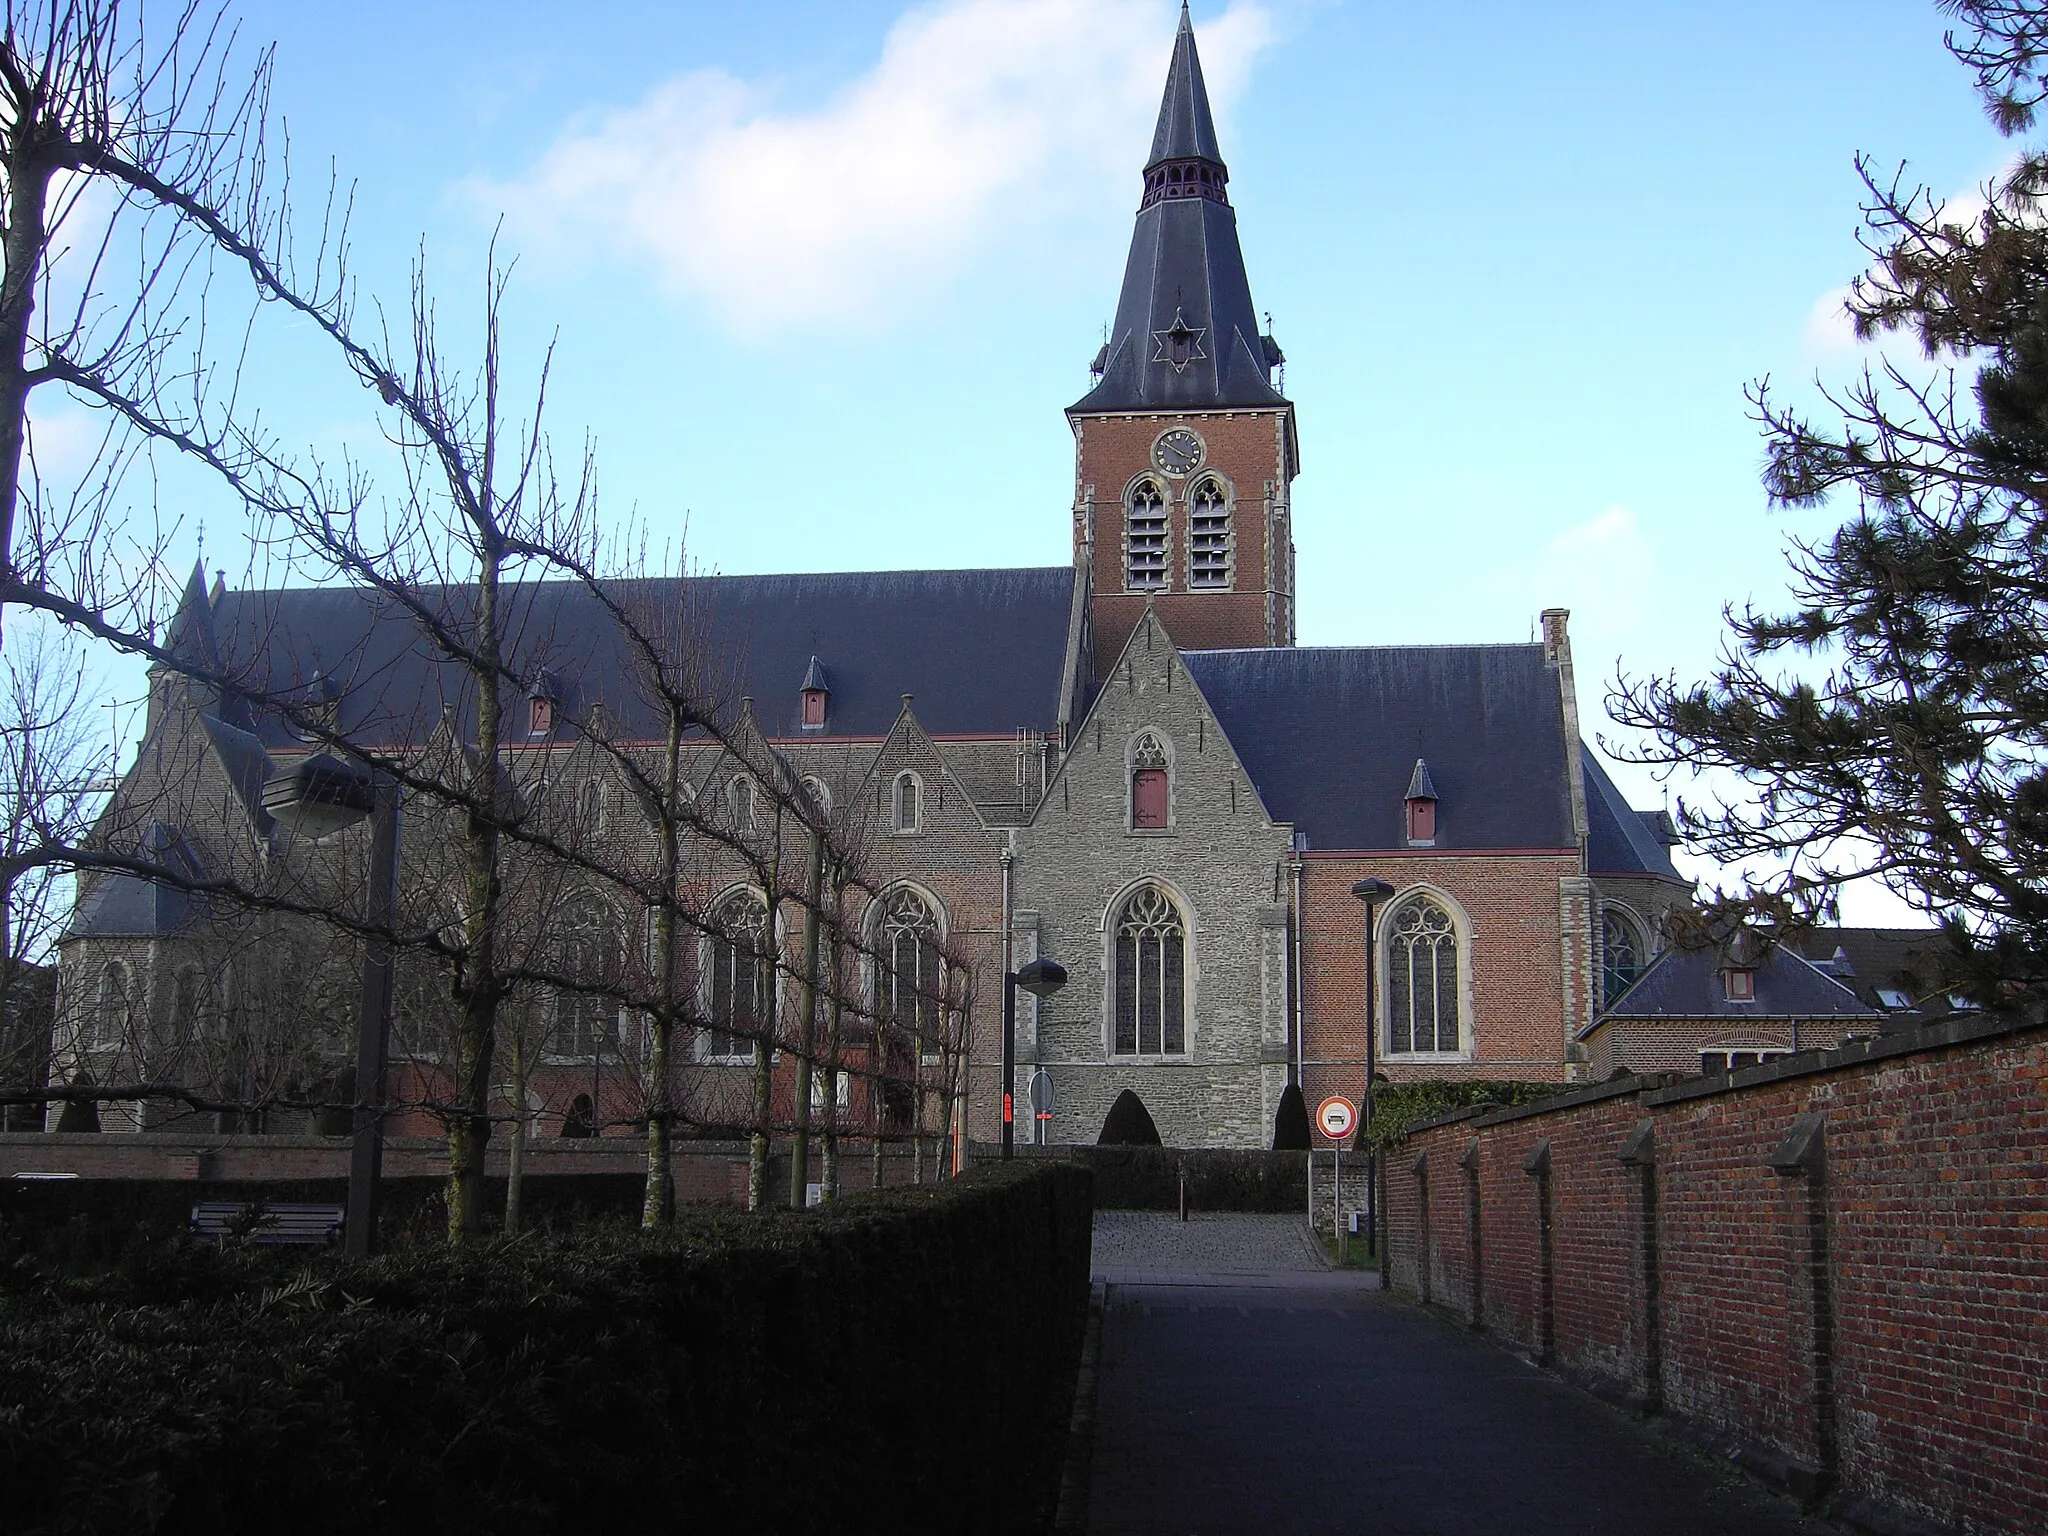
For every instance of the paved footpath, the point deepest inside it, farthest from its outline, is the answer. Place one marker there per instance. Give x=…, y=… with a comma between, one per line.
x=1245, y=1386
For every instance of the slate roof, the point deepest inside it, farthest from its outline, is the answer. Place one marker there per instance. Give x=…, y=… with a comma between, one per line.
x=982, y=651
x=1621, y=840
x=1330, y=737
x=1687, y=984
x=123, y=906
x=1185, y=266
x=1894, y=959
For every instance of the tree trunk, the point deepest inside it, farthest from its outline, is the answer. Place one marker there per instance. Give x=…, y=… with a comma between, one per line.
x=764, y=1052
x=658, y=1204
x=27, y=244
x=515, y=1154
x=807, y=1014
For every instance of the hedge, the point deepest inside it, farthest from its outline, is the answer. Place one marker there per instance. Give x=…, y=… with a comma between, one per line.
x=1148, y=1178
x=900, y=1362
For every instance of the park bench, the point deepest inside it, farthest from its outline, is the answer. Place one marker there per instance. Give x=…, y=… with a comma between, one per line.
x=276, y=1222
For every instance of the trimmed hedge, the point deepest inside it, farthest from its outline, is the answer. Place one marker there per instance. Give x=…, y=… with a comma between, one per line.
x=86, y=1223
x=900, y=1362
x=1396, y=1106
x=1148, y=1178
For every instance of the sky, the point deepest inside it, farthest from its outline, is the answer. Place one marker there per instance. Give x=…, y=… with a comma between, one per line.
x=819, y=278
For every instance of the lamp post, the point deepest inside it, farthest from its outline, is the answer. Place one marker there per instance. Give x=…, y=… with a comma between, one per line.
x=319, y=796
x=1371, y=891
x=1041, y=978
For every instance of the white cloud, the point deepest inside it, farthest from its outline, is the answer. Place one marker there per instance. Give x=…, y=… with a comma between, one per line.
x=980, y=117
x=1601, y=570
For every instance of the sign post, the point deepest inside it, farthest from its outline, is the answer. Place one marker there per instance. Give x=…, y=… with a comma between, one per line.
x=1334, y=1118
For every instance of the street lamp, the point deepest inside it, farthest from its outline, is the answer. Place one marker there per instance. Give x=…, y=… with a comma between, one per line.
x=319, y=796
x=1372, y=891
x=1041, y=978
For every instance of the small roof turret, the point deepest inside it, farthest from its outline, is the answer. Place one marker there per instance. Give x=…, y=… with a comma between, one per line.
x=1419, y=785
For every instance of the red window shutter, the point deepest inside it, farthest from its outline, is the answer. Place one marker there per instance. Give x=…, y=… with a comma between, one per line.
x=1148, y=798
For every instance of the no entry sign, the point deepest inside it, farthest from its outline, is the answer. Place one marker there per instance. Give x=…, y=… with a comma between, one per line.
x=1335, y=1117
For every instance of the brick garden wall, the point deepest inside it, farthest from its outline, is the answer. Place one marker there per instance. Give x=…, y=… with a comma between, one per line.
x=1838, y=1264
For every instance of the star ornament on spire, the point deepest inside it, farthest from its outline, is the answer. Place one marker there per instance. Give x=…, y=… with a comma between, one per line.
x=1180, y=344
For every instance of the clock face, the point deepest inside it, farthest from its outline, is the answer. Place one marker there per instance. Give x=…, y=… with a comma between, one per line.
x=1179, y=452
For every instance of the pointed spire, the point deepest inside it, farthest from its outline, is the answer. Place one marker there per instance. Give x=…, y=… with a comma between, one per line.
x=1186, y=131
x=1186, y=335
x=191, y=638
x=1419, y=785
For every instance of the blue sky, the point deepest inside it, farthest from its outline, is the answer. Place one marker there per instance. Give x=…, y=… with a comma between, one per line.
x=822, y=276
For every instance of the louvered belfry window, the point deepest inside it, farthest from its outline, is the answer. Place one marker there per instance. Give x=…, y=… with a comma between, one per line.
x=1151, y=976
x=1145, y=539
x=1208, y=537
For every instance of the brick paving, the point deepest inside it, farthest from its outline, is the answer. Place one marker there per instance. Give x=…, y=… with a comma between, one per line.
x=1246, y=1388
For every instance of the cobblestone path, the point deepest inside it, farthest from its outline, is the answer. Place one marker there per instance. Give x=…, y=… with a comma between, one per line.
x=1246, y=1387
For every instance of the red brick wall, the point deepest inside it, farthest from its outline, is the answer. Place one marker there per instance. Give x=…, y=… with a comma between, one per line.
x=1515, y=963
x=1916, y=1237
x=1246, y=448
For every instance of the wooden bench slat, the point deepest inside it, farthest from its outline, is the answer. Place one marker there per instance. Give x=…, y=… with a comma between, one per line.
x=283, y=1222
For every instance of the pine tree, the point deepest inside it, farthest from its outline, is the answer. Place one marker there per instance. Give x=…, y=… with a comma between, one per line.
x=1894, y=724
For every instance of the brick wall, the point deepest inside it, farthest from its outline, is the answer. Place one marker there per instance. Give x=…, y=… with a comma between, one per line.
x=1836, y=1265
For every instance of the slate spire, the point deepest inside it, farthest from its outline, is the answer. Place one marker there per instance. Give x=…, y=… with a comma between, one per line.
x=1186, y=335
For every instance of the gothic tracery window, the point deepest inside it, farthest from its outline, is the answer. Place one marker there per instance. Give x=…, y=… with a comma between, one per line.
x=911, y=976
x=1422, y=979
x=1145, y=539
x=1151, y=975
x=586, y=1023
x=739, y=976
x=1208, y=537
x=1621, y=957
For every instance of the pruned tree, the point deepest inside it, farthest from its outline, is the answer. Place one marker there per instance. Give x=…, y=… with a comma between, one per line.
x=1893, y=725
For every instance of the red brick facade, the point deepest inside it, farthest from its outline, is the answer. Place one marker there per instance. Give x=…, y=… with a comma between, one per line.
x=1839, y=1268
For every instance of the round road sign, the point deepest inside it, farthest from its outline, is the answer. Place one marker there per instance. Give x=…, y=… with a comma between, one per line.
x=1335, y=1117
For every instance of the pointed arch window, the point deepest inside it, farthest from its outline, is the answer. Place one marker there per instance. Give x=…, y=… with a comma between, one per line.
x=738, y=976
x=1145, y=538
x=1208, y=537
x=911, y=973
x=1151, y=975
x=108, y=1027
x=906, y=803
x=189, y=1004
x=1621, y=956
x=739, y=796
x=593, y=807
x=1422, y=980
x=586, y=1023
x=1150, y=786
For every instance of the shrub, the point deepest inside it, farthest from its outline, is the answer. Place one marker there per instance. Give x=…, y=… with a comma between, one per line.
x=1396, y=1106
x=1148, y=1178
x=900, y=1362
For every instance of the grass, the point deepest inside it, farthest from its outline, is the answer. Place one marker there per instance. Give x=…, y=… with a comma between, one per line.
x=1361, y=1255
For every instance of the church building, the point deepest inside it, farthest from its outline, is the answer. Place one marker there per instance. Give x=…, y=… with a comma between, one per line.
x=1127, y=764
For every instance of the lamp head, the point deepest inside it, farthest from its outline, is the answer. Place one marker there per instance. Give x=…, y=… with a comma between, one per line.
x=1372, y=890
x=1041, y=977
x=319, y=795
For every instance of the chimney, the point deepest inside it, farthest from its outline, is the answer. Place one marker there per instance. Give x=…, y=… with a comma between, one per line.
x=1557, y=645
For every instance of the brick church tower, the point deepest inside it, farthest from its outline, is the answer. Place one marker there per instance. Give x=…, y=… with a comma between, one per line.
x=1184, y=450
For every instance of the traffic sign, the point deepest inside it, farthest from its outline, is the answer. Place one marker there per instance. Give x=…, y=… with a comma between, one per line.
x=1335, y=1116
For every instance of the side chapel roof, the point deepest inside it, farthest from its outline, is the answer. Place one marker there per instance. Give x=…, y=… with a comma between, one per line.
x=1330, y=736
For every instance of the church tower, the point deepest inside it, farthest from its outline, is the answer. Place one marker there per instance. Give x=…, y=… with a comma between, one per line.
x=1184, y=449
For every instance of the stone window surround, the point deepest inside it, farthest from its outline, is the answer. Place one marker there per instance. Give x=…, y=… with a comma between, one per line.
x=901, y=825
x=1461, y=928
x=1192, y=487
x=871, y=921
x=1190, y=976
x=702, y=1050
x=1640, y=930
x=1165, y=494
x=611, y=929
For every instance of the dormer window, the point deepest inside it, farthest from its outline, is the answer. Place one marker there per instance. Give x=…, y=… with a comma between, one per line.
x=1740, y=982
x=540, y=705
x=1421, y=803
x=814, y=695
